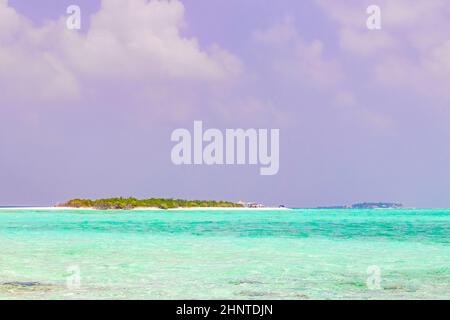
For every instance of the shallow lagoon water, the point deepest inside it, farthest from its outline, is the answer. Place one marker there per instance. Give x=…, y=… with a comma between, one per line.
x=285, y=254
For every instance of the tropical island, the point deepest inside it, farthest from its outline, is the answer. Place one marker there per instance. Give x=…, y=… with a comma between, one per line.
x=133, y=203
x=367, y=205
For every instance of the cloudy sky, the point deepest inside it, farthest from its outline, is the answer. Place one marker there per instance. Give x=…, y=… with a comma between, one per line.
x=363, y=115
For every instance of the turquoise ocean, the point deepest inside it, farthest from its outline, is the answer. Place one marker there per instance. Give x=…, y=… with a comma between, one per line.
x=270, y=254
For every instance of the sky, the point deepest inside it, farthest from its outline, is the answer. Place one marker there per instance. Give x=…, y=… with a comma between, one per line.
x=363, y=114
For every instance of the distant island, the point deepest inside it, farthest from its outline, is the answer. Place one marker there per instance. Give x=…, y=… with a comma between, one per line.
x=133, y=203
x=367, y=205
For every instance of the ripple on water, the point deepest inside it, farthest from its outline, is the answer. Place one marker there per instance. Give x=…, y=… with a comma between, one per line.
x=25, y=286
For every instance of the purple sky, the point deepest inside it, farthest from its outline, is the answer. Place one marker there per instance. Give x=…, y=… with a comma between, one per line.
x=364, y=115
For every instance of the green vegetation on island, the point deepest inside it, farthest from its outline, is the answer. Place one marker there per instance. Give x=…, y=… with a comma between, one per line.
x=132, y=203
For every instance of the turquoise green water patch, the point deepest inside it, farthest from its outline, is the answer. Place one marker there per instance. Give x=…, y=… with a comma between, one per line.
x=287, y=254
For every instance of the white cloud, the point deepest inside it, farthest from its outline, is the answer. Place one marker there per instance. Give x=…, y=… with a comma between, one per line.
x=410, y=51
x=353, y=111
x=143, y=38
x=364, y=42
x=128, y=41
x=300, y=61
x=354, y=36
x=305, y=64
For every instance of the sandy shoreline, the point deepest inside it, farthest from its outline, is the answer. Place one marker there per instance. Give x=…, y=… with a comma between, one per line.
x=147, y=209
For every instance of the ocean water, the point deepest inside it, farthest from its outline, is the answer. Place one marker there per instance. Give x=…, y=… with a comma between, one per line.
x=280, y=254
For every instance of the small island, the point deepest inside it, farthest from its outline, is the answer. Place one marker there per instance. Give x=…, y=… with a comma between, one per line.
x=133, y=203
x=377, y=205
x=367, y=205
